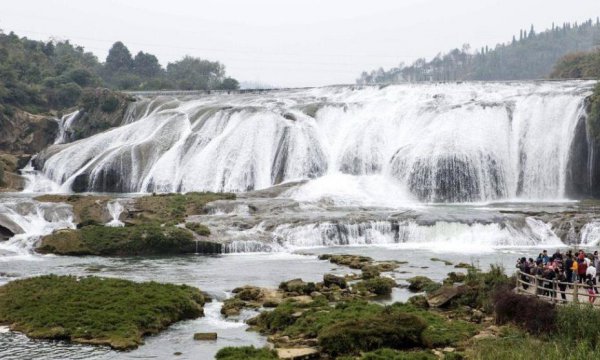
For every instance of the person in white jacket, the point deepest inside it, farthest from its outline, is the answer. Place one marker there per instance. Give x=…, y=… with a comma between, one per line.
x=591, y=272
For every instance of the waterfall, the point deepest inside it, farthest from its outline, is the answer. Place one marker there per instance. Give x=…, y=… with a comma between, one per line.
x=466, y=142
x=115, y=209
x=29, y=220
x=438, y=236
x=64, y=125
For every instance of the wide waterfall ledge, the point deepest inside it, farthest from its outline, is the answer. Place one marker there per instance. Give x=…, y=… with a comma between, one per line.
x=468, y=142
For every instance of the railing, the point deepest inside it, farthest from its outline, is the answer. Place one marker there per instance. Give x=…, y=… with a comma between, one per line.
x=553, y=290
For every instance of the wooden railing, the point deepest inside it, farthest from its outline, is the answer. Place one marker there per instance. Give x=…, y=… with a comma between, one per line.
x=552, y=290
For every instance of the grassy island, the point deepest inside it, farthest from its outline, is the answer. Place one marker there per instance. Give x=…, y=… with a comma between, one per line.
x=155, y=225
x=93, y=310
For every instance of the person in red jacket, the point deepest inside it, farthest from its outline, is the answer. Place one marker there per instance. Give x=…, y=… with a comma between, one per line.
x=581, y=270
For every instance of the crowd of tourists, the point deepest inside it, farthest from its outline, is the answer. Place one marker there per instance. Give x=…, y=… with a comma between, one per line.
x=559, y=271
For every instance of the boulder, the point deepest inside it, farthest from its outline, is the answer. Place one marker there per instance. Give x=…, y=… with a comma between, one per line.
x=420, y=283
x=205, y=336
x=330, y=279
x=444, y=294
x=298, y=354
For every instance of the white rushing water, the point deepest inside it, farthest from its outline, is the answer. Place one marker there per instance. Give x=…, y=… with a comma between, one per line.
x=441, y=236
x=30, y=220
x=115, y=209
x=430, y=142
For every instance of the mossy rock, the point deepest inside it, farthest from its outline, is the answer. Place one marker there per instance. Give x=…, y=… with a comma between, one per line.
x=377, y=285
x=146, y=239
x=330, y=280
x=245, y=353
x=199, y=229
x=115, y=312
x=298, y=286
x=422, y=283
x=419, y=301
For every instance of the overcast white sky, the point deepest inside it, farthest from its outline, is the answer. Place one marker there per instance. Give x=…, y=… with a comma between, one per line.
x=288, y=42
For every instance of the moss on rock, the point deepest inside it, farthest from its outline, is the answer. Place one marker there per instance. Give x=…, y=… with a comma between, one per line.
x=94, y=310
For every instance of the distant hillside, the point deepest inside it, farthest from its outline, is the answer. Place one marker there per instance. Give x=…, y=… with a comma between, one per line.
x=529, y=55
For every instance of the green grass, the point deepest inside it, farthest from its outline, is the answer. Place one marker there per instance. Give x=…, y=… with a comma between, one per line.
x=391, y=354
x=144, y=239
x=376, y=285
x=95, y=310
x=199, y=229
x=245, y=353
x=173, y=208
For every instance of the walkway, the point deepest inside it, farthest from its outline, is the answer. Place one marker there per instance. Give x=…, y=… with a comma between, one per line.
x=574, y=292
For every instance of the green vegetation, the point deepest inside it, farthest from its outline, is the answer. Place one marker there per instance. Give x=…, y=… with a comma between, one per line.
x=173, y=208
x=371, y=332
x=377, y=285
x=354, y=326
x=578, y=65
x=143, y=239
x=530, y=56
x=390, y=354
x=38, y=76
x=95, y=310
x=151, y=230
x=422, y=283
x=245, y=353
x=199, y=229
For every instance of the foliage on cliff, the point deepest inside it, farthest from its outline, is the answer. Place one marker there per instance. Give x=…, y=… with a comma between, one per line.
x=531, y=55
x=37, y=76
x=95, y=310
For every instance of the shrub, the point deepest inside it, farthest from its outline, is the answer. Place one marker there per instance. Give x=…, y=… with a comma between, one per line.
x=579, y=323
x=109, y=104
x=393, y=329
x=245, y=353
x=390, y=354
x=532, y=314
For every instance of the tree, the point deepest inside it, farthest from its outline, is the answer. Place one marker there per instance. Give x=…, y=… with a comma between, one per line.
x=192, y=73
x=146, y=65
x=230, y=84
x=119, y=58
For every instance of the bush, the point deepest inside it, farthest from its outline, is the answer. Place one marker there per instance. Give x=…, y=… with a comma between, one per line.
x=109, y=104
x=390, y=354
x=579, y=323
x=532, y=314
x=245, y=353
x=393, y=329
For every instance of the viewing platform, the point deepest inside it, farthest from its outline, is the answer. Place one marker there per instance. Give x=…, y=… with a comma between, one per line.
x=536, y=286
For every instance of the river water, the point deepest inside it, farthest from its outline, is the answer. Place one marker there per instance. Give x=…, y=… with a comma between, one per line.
x=474, y=172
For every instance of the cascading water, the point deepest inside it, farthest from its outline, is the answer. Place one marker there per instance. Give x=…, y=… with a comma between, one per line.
x=29, y=220
x=439, y=236
x=432, y=142
x=64, y=125
x=115, y=209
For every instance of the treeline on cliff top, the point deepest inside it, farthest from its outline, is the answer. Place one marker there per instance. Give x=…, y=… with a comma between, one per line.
x=530, y=55
x=38, y=76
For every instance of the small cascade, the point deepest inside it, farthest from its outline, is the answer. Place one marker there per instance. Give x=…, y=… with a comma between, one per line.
x=31, y=220
x=590, y=234
x=37, y=182
x=115, y=209
x=64, y=125
x=437, y=236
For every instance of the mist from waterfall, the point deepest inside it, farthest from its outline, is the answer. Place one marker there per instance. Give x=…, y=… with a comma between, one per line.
x=464, y=142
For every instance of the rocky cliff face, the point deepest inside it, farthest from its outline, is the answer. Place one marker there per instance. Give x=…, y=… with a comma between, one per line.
x=99, y=110
x=23, y=135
